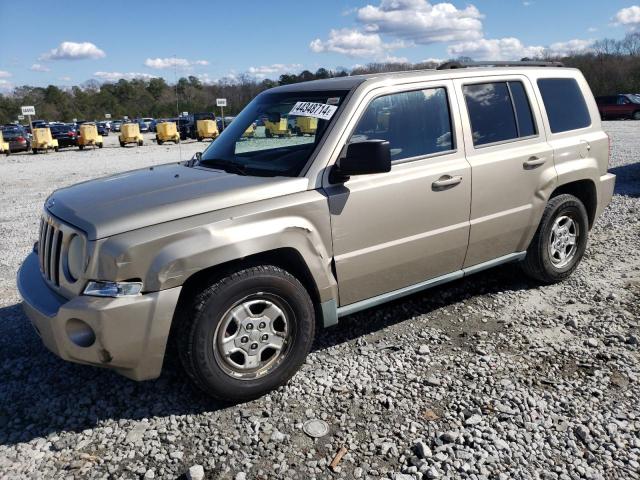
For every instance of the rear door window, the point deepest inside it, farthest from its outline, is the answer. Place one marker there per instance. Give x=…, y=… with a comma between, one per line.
x=565, y=104
x=498, y=112
x=415, y=123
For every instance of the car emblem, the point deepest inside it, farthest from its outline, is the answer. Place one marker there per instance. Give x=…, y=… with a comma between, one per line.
x=51, y=202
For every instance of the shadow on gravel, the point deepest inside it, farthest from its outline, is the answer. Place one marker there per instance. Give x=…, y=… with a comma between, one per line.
x=41, y=395
x=501, y=279
x=628, y=179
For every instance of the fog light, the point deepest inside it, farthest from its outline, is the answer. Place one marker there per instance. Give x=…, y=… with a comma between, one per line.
x=113, y=289
x=80, y=333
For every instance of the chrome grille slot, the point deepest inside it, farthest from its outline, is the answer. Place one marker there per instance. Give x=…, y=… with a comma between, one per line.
x=49, y=251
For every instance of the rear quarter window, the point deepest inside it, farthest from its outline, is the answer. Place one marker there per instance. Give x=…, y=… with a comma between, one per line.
x=564, y=103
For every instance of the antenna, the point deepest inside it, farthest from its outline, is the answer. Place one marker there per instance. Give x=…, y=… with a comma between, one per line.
x=175, y=79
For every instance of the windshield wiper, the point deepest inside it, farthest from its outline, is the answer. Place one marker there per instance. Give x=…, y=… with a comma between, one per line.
x=226, y=165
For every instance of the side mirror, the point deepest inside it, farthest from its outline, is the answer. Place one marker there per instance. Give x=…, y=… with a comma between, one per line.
x=362, y=158
x=196, y=159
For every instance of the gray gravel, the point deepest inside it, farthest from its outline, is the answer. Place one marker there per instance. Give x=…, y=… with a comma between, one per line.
x=488, y=377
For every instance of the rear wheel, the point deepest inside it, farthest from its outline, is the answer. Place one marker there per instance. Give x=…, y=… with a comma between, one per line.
x=140, y=142
x=160, y=142
x=247, y=333
x=35, y=150
x=559, y=242
x=100, y=145
x=81, y=147
x=636, y=115
x=122, y=144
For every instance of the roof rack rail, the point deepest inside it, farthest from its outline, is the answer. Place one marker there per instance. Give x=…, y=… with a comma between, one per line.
x=523, y=63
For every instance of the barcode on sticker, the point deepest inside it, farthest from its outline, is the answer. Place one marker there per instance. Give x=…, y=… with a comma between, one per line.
x=311, y=109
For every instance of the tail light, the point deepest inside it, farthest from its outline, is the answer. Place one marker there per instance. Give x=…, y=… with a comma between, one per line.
x=72, y=134
x=21, y=139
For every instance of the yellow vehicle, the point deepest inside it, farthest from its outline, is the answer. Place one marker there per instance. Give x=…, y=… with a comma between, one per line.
x=130, y=133
x=43, y=141
x=250, y=132
x=207, y=129
x=88, y=135
x=4, y=146
x=167, y=132
x=279, y=128
x=306, y=126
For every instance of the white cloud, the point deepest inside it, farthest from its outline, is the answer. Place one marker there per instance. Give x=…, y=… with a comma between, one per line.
x=393, y=59
x=419, y=21
x=494, y=49
x=73, y=51
x=569, y=47
x=527, y=4
x=354, y=43
x=115, y=76
x=275, y=68
x=4, y=74
x=511, y=48
x=592, y=29
x=5, y=85
x=629, y=17
x=171, y=62
x=65, y=78
x=36, y=67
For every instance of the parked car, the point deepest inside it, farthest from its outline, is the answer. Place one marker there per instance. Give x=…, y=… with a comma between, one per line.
x=144, y=127
x=103, y=129
x=619, y=106
x=17, y=137
x=147, y=121
x=222, y=125
x=66, y=134
x=184, y=126
x=243, y=253
x=115, y=125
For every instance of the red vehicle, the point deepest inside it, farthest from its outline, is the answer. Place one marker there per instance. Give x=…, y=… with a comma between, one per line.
x=626, y=105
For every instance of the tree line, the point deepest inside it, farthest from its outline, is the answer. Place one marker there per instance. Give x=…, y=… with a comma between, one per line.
x=610, y=66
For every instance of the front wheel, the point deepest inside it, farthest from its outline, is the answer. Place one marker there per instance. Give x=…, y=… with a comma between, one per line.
x=247, y=333
x=140, y=143
x=560, y=241
x=636, y=115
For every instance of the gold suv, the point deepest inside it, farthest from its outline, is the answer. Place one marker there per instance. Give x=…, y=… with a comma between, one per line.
x=406, y=180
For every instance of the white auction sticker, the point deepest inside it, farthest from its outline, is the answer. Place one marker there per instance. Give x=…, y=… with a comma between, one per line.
x=311, y=109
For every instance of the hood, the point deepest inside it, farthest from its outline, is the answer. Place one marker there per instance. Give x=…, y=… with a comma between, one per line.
x=141, y=198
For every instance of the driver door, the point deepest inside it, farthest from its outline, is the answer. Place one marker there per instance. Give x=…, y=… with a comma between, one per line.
x=397, y=229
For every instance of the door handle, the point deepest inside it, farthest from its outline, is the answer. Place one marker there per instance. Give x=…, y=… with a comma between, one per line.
x=534, y=162
x=446, y=181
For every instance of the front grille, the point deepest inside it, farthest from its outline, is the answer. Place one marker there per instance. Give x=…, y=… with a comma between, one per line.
x=49, y=249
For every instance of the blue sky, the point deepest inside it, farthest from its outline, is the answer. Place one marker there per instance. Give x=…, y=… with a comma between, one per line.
x=72, y=43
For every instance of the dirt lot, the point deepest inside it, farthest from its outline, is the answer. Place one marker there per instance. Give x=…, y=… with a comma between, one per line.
x=489, y=377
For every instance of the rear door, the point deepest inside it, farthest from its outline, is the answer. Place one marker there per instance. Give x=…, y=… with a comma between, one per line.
x=511, y=164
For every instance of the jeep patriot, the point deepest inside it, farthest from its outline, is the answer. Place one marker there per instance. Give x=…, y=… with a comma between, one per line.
x=390, y=184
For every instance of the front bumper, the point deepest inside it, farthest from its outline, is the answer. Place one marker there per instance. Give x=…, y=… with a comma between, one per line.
x=130, y=332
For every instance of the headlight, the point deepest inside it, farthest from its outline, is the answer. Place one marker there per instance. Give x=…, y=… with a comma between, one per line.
x=75, y=258
x=113, y=289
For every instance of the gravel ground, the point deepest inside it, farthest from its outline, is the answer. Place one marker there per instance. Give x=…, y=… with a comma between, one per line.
x=489, y=377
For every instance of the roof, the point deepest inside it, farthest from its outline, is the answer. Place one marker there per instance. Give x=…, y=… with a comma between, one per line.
x=348, y=83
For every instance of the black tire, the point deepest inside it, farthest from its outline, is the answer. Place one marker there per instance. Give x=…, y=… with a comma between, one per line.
x=81, y=147
x=199, y=139
x=122, y=144
x=35, y=151
x=636, y=115
x=140, y=143
x=267, y=133
x=538, y=263
x=198, y=322
x=160, y=142
x=100, y=145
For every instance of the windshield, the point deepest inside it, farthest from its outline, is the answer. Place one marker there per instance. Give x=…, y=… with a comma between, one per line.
x=275, y=134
